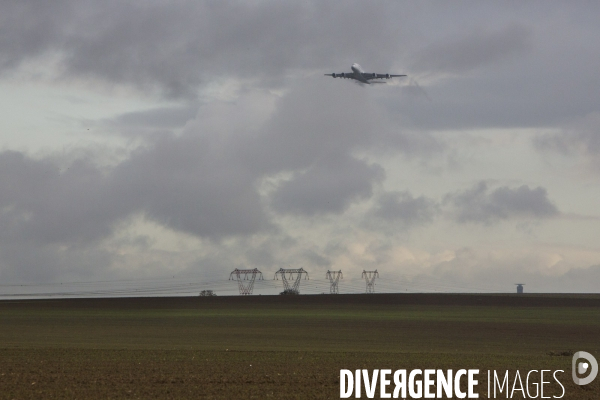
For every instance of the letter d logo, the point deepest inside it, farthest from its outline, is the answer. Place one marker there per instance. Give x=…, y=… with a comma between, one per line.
x=583, y=367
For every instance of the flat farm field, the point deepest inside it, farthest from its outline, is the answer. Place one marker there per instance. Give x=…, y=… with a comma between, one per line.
x=281, y=346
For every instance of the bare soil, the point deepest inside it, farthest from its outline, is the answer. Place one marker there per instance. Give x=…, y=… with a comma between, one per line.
x=281, y=347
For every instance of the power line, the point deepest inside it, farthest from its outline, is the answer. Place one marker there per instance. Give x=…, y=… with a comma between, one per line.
x=291, y=279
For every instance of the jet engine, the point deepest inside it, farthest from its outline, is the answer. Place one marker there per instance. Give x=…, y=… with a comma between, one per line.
x=387, y=76
x=343, y=74
x=374, y=75
x=334, y=75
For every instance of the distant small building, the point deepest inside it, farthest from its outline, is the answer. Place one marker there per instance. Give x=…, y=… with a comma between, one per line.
x=207, y=293
x=520, y=287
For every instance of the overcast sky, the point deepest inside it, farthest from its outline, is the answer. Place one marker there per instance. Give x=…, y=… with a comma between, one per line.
x=145, y=140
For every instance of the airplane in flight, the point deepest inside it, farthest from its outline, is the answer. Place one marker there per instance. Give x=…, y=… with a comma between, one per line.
x=362, y=76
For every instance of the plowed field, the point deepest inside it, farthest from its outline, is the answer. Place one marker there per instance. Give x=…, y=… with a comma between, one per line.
x=280, y=347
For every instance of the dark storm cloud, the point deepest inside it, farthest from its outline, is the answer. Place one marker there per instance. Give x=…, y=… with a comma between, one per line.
x=478, y=204
x=329, y=186
x=31, y=29
x=481, y=205
x=522, y=95
x=183, y=183
x=580, y=137
x=515, y=72
x=203, y=182
x=528, y=65
x=520, y=70
x=52, y=217
x=43, y=204
x=176, y=46
x=403, y=208
x=479, y=48
x=192, y=184
x=313, y=133
x=314, y=121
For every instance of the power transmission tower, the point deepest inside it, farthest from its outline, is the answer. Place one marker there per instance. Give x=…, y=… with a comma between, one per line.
x=334, y=277
x=291, y=279
x=370, y=279
x=246, y=284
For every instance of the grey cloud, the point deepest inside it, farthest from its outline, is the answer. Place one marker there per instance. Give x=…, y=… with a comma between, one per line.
x=177, y=46
x=411, y=144
x=182, y=183
x=580, y=280
x=314, y=132
x=260, y=256
x=313, y=121
x=53, y=217
x=516, y=96
x=329, y=186
x=31, y=29
x=574, y=280
x=481, y=271
x=538, y=82
x=404, y=209
x=27, y=262
x=43, y=204
x=190, y=184
x=316, y=259
x=163, y=117
x=268, y=251
x=580, y=137
x=202, y=182
x=481, y=47
x=150, y=124
x=480, y=205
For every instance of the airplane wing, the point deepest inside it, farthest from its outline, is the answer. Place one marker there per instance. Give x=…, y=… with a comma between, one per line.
x=348, y=75
x=372, y=75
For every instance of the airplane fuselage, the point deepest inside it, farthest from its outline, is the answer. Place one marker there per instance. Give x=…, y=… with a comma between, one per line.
x=358, y=73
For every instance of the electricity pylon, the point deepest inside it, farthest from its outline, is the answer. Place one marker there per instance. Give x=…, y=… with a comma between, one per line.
x=370, y=279
x=334, y=277
x=246, y=284
x=293, y=275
